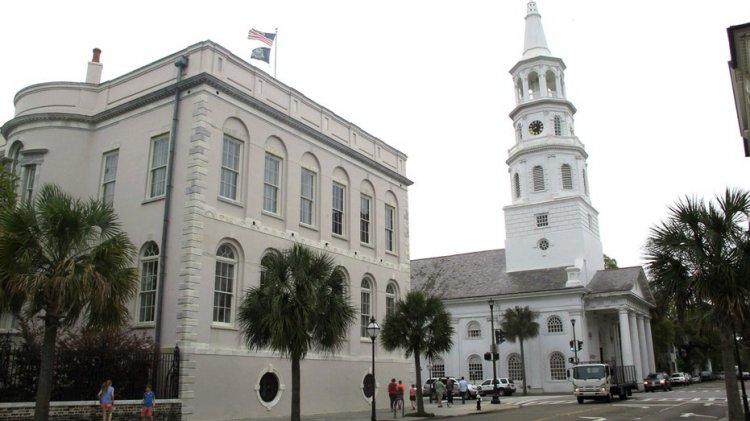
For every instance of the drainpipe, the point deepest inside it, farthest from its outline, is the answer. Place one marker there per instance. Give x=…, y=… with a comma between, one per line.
x=181, y=63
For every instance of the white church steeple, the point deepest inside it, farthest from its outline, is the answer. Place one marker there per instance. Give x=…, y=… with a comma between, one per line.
x=551, y=221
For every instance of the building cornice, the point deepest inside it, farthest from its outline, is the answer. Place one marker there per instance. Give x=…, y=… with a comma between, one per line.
x=192, y=82
x=540, y=103
x=522, y=148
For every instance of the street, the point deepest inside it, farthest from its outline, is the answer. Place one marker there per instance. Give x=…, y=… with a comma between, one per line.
x=705, y=401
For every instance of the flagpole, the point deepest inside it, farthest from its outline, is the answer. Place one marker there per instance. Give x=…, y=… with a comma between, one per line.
x=275, y=52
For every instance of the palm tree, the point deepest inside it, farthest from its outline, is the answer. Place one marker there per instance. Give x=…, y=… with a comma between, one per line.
x=301, y=305
x=420, y=325
x=518, y=324
x=64, y=260
x=699, y=257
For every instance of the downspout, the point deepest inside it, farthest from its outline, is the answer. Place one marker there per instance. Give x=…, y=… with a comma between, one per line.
x=181, y=63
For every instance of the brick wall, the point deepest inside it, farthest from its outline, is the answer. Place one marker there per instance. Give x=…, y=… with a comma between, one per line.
x=165, y=410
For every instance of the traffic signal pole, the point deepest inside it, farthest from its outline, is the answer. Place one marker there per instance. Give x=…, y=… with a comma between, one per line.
x=575, y=342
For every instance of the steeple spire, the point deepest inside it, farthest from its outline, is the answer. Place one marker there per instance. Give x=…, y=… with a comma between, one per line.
x=534, y=43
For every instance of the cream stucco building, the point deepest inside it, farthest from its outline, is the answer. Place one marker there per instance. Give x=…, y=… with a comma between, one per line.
x=553, y=259
x=210, y=162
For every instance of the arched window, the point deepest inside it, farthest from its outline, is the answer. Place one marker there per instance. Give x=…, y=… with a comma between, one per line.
x=473, y=330
x=224, y=278
x=551, y=84
x=558, y=126
x=475, y=369
x=365, y=306
x=567, y=177
x=515, y=371
x=391, y=295
x=149, y=265
x=517, y=185
x=554, y=324
x=438, y=367
x=538, y=174
x=533, y=85
x=557, y=366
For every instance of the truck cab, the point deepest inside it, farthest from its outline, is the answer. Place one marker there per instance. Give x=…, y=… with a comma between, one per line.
x=602, y=381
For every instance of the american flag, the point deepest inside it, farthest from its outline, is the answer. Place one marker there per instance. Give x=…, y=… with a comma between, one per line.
x=265, y=37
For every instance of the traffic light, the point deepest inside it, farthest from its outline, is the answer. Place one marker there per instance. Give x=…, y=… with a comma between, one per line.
x=499, y=336
x=488, y=356
x=572, y=345
x=580, y=345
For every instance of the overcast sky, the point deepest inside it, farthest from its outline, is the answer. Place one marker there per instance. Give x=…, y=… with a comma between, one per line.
x=649, y=79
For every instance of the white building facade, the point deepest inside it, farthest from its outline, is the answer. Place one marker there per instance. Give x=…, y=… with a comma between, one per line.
x=553, y=260
x=209, y=163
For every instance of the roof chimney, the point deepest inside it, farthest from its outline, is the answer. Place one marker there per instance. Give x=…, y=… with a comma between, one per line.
x=94, y=73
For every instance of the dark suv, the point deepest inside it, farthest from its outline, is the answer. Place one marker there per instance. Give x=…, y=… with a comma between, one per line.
x=657, y=381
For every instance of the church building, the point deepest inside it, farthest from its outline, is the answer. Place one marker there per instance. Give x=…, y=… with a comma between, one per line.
x=553, y=260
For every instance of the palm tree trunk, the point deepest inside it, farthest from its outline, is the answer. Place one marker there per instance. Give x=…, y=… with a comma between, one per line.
x=417, y=365
x=46, y=366
x=734, y=406
x=295, y=389
x=523, y=366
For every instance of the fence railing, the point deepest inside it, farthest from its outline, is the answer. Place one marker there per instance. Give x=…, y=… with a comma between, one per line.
x=78, y=376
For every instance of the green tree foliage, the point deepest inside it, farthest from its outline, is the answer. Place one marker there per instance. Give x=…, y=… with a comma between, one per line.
x=64, y=260
x=699, y=259
x=301, y=305
x=610, y=263
x=420, y=325
x=519, y=323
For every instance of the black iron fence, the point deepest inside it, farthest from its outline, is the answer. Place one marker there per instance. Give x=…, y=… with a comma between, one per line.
x=78, y=376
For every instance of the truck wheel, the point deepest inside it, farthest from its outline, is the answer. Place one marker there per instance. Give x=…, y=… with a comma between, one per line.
x=608, y=398
x=580, y=400
x=623, y=395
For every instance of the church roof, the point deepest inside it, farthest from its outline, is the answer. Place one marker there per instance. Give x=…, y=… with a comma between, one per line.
x=479, y=274
x=621, y=280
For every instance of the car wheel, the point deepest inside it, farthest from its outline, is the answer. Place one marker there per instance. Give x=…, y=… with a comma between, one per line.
x=580, y=400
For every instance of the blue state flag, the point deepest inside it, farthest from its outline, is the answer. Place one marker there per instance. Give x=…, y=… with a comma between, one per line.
x=262, y=53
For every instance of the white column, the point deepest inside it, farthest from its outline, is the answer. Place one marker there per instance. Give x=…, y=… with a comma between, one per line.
x=636, y=346
x=650, y=343
x=558, y=86
x=645, y=368
x=627, y=346
x=525, y=84
x=543, y=82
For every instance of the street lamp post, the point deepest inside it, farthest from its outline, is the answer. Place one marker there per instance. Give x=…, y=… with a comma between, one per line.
x=575, y=342
x=745, y=408
x=493, y=351
x=372, y=330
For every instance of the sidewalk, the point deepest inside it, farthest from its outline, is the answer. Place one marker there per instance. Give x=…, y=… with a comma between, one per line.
x=445, y=412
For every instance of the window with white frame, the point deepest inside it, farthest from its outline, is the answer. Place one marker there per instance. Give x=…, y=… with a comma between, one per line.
x=307, y=197
x=271, y=184
x=224, y=279
x=538, y=176
x=364, y=219
x=337, y=209
x=29, y=174
x=157, y=172
x=557, y=366
x=231, y=157
x=554, y=324
x=390, y=228
x=149, y=272
x=473, y=330
x=515, y=371
x=438, y=368
x=566, y=174
x=558, y=125
x=390, y=298
x=365, y=306
x=517, y=185
x=476, y=372
x=109, y=176
x=542, y=220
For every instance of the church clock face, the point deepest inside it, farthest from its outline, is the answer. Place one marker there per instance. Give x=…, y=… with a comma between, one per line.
x=536, y=127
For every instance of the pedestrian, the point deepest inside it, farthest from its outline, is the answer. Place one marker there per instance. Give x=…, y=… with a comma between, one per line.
x=392, y=391
x=449, y=385
x=463, y=389
x=413, y=396
x=400, y=392
x=107, y=400
x=149, y=402
x=439, y=390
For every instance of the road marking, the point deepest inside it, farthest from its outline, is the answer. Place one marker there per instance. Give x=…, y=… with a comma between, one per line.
x=690, y=414
x=594, y=418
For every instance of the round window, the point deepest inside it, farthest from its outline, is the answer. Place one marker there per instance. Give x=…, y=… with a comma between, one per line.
x=368, y=385
x=269, y=387
x=543, y=244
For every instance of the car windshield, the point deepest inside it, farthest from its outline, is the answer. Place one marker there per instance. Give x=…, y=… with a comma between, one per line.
x=653, y=376
x=589, y=372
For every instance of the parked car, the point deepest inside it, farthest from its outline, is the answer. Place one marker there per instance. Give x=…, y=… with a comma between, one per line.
x=427, y=388
x=695, y=378
x=505, y=386
x=657, y=381
x=678, y=378
x=707, y=376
